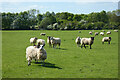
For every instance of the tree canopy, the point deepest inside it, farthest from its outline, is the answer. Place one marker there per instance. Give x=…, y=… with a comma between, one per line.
x=32, y=19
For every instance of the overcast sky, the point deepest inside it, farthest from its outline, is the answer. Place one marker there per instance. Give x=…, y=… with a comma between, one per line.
x=72, y=6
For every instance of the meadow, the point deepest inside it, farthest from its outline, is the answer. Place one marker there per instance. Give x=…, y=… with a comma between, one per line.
x=69, y=61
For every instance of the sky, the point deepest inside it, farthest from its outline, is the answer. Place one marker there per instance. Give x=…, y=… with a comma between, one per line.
x=72, y=6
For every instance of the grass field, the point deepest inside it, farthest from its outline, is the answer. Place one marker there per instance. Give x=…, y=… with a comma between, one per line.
x=68, y=62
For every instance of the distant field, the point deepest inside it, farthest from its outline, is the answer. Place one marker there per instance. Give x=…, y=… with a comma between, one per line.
x=68, y=62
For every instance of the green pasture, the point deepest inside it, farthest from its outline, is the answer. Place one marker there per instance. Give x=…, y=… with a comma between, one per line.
x=69, y=61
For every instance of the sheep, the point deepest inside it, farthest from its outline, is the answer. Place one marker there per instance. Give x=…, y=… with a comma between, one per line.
x=90, y=32
x=42, y=34
x=32, y=52
x=40, y=42
x=109, y=32
x=96, y=33
x=102, y=33
x=87, y=41
x=54, y=41
x=106, y=39
x=33, y=40
x=49, y=41
x=78, y=41
x=115, y=30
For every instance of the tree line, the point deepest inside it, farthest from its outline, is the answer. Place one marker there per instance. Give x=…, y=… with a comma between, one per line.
x=33, y=20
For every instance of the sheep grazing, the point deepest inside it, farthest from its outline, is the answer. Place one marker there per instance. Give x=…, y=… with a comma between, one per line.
x=33, y=40
x=115, y=30
x=96, y=33
x=90, y=32
x=42, y=34
x=109, y=32
x=32, y=52
x=87, y=41
x=106, y=39
x=54, y=41
x=49, y=41
x=102, y=33
x=40, y=42
x=78, y=41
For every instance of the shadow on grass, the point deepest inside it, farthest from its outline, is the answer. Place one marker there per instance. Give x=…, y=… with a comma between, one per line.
x=47, y=64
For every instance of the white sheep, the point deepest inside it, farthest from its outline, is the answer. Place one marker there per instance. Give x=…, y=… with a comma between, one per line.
x=54, y=41
x=40, y=42
x=78, y=41
x=115, y=30
x=109, y=32
x=102, y=33
x=42, y=34
x=106, y=39
x=96, y=33
x=87, y=41
x=33, y=40
x=32, y=52
x=90, y=32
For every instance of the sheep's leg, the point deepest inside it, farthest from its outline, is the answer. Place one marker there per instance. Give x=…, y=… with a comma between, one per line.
x=81, y=46
x=84, y=46
x=108, y=42
x=90, y=47
x=29, y=61
x=59, y=45
x=53, y=45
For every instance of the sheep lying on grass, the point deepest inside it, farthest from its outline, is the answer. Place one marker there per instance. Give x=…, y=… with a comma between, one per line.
x=54, y=41
x=115, y=30
x=78, y=41
x=109, y=32
x=102, y=33
x=32, y=52
x=87, y=41
x=33, y=40
x=40, y=42
x=42, y=34
x=106, y=39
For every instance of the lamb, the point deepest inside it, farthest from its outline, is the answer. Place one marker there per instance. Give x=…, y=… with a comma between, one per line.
x=49, y=41
x=115, y=30
x=54, y=41
x=32, y=52
x=90, y=32
x=106, y=39
x=78, y=41
x=102, y=33
x=40, y=42
x=33, y=40
x=42, y=34
x=96, y=33
x=109, y=32
x=87, y=41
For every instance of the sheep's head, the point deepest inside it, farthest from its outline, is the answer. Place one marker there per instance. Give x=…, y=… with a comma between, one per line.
x=35, y=38
x=92, y=38
x=110, y=38
x=41, y=47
